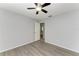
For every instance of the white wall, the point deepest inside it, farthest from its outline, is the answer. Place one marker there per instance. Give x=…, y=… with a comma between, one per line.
x=63, y=30
x=15, y=30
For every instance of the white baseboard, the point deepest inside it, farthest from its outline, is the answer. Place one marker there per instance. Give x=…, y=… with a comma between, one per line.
x=15, y=46
x=75, y=51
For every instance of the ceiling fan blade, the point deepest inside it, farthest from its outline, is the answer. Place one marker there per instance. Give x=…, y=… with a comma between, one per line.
x=30, y=8
x=43, y=10
x=37, y=12
x=46, y=4
x=36, y=4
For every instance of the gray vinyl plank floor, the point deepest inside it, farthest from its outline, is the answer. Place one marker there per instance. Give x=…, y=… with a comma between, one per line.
x=37, y=48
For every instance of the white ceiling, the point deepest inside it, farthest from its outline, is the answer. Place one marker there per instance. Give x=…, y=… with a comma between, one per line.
x=53, y=9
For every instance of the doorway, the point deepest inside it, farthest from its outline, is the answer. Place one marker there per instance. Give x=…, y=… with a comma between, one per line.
x=42, y=31
x=39, y=31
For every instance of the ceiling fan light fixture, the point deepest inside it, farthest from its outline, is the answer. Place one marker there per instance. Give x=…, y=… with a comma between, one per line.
x=38, y=8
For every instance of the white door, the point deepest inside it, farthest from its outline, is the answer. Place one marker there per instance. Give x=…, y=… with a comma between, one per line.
x=37, y=31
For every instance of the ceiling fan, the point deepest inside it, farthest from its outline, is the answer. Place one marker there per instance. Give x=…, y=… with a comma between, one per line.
x=40, y=7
